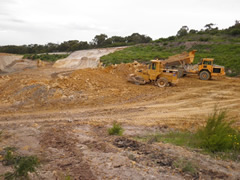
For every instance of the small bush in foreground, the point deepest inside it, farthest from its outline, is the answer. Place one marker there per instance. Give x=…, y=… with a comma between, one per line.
x=22, y=165
x=68, y=177
x=217, y=138
x=116, y=129
x=218, y=134
x=185, y=166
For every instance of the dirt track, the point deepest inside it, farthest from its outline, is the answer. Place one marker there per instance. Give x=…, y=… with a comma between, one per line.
x=62, y=116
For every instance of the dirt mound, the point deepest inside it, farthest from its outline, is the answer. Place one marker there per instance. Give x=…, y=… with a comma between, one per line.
x=85, y=86
x=96, y=79
x=20, y=65
x=84, y=58
x=7, y=59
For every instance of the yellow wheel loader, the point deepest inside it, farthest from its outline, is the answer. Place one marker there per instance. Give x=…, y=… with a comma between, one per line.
x=155, y=74
x=206, y=69
x=183, y=62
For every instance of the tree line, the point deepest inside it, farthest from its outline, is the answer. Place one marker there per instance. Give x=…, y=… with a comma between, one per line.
x=102, y=40
x=99, y=41
x=209, y=29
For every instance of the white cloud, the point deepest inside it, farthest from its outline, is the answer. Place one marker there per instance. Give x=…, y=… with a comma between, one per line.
x=35, y=21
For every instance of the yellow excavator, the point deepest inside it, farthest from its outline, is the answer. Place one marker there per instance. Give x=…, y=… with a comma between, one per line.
x=183, y=62
x=155, y=74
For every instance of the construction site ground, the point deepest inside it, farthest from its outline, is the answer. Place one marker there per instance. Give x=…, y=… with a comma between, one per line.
x=62, y=116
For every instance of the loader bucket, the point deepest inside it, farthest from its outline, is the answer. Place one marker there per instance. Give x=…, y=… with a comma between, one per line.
x=136, y=79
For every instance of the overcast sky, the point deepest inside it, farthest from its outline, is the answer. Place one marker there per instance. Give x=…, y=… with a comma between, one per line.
x=43, y=21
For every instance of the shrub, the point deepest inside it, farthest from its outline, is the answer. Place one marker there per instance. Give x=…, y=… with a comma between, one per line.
x=217, y=134
x=171, y=38
x=235, y=32
x=45, y=57
x=116, y=129
x=186, y=166
x=8, y=156
x=204, y=39
x=22, y=164
x=68, y=177
x=217, y=138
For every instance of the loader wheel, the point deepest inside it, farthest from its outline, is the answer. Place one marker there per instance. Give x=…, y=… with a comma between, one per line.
x=204, y=75
x=162, y=82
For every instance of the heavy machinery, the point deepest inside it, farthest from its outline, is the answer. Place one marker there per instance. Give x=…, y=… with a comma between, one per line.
x=183, y=62
x=155, y=74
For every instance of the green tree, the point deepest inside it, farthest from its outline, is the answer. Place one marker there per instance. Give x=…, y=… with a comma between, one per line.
x=183, y=31
x=209, y=26
x=99, y=40
x=193, y=31
x=118, y=39
x=138, y=38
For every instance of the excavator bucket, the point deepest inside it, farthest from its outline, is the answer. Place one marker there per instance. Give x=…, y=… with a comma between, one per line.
x=136, y=79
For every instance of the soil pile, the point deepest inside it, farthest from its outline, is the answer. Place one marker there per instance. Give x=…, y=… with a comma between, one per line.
x=7, y=60
x=85, y=58
x=84, y=86
x=96, y=79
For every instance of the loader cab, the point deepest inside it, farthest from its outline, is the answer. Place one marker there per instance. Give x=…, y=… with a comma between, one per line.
x=206, y=61
x=154, y=69
x=206, y=64
x=152, y=66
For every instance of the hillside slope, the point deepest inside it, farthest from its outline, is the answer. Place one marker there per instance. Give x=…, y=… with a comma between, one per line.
x=226, y=54
x=222, y=45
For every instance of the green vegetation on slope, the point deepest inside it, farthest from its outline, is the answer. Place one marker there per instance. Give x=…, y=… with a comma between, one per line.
x=227, y=55
x=141, y=53
x=222, y=45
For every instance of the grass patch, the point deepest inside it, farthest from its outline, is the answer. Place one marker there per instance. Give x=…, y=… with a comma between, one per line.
x=22, y=165
x=116, y=129
x=179, y=138
x=186, y=166
x=45, y=57
x=217, y=138
x=68, y=177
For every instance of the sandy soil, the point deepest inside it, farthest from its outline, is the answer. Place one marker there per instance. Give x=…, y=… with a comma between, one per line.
x=85, y=58
x=7, y=60
x=62, y=116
